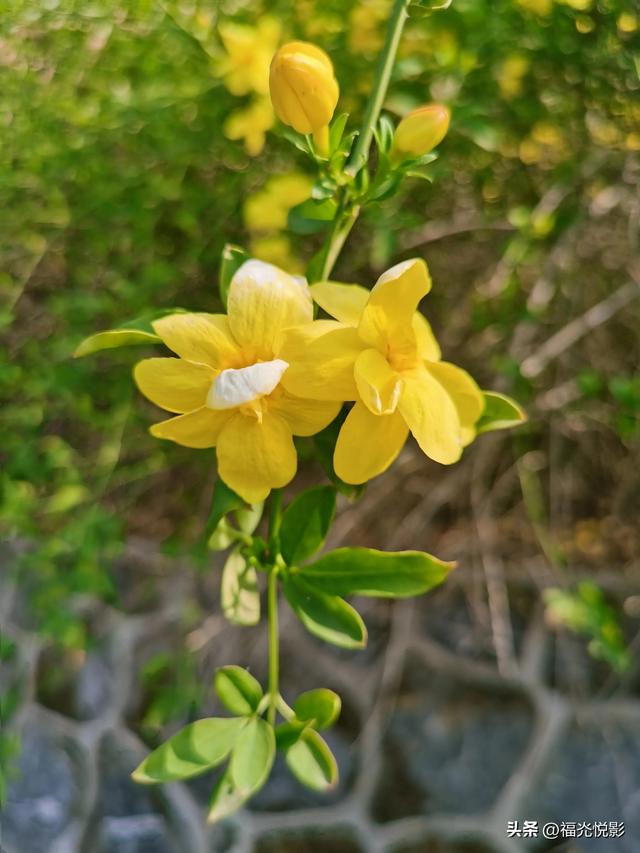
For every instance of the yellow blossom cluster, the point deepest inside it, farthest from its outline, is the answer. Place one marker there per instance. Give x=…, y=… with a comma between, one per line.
x=244, y=69
x=265, y=217
x=248, y=381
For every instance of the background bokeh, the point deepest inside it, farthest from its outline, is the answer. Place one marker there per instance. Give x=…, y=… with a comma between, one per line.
x=137, y=141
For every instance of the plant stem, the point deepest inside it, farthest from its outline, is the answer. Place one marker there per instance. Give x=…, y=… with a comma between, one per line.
x=275, y=517
x=347, y=212
x=344, y=220
x=274, y=645
x=360, y=153
x=340, y=229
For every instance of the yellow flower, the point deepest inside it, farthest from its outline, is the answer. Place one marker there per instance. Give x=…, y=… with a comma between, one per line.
x=421, y=130
x=276, y=249
x=382, y=354
x=538, y=7
x=226, y=384
x=366, y=30
x=510, y=74
x=245, y=68
x=250, y=124
x=304, y=90
x=267, y=209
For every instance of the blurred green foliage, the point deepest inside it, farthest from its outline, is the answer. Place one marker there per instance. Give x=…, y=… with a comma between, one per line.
x=9, y=699
x=118, y=190
x=586, y=611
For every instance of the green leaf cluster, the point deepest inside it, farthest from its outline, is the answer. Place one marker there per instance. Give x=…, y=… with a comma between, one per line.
x=248, y=744
x=585, y=610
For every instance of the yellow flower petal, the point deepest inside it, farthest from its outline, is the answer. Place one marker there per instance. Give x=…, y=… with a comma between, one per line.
x=304, y=91
x=263, y=302
x=428, y=346
x=234, y=388
x=200, y=428
x=305, y=417
x=389, y=311
x=431, y=416
x=378, y=385
x=367, y=444
x=267, y=209
x=250, y=124
x=174, y=384
x=205, y=338
x=467, y=397
x=345, y=302
x=321, y=357
x=255, y=457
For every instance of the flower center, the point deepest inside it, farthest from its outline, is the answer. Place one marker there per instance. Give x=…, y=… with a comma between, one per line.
x=403, y=356
x=236, y=387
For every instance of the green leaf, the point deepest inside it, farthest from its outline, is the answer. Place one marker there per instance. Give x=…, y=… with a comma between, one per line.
x=500, y=412
x=231, y=260
x=421, y=175
x=320, y=706
x=194, y=749
x=253, y=755
x=326, y=616
x=113, y=339
x=224, y=500
x=316, y=264
x=289, y=732
x=225, y=798
x=312, y=762
x=379, y=574
x=306, y=522
x=222, y=537
x=249, y=516
x=384, y=134
x=336, y=131
x=296, y=139
x=239, y=593
x=238, y=690
x=311, y=216
x=386, y=188
x=323, y=188
x=132, y=333
x=424, y=8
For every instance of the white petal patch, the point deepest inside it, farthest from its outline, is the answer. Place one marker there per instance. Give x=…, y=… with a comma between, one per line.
x=396, y=271
x=260, y=271
x=235, y=387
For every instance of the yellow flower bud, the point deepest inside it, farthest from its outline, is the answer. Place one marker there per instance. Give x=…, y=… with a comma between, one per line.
x=304, y=91
x=420, y=131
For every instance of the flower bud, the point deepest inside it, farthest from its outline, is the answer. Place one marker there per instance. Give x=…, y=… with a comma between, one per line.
x=420, y=131
x=304, y=91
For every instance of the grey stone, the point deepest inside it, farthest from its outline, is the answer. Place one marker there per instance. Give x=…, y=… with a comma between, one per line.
x=135, y=834
x=44, y=793
x=127, y=817
x=435, y=845
x=119, y=795
x=93, y=686
x=595, y=775
x=450, y=749
x=307, y=841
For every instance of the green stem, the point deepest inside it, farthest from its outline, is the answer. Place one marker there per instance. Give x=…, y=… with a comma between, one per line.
x=274, y=645
x=340, y=230
x=286, y=710
x=360, y=153
x=275, y=518
x=347, y=212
